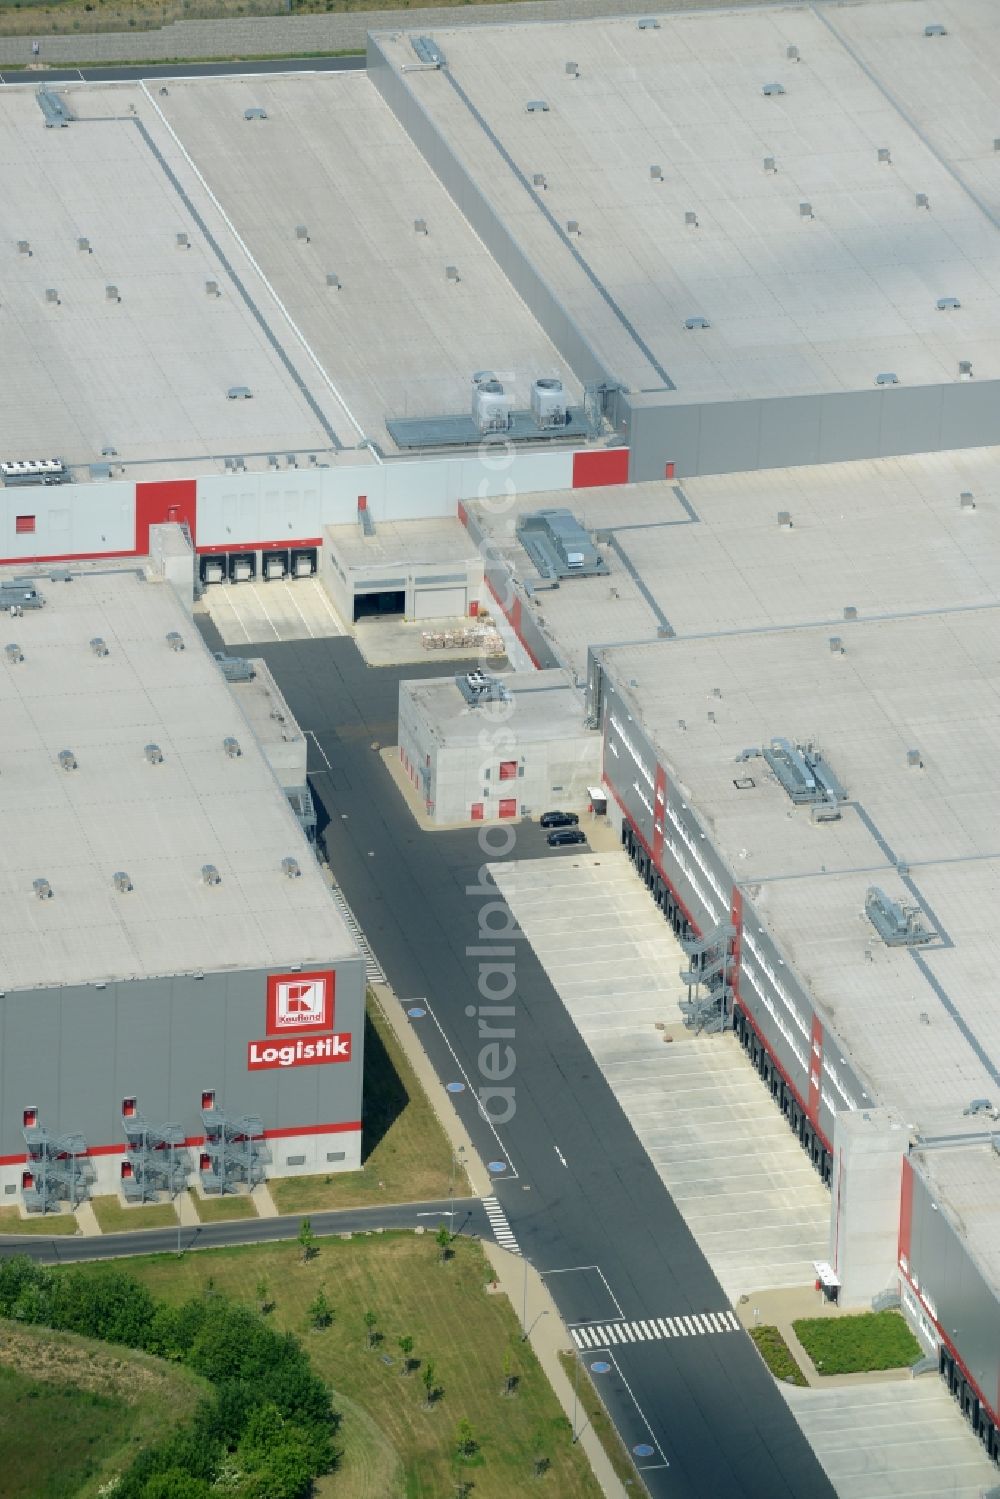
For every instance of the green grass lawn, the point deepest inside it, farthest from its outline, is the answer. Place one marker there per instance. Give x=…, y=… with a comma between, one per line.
x=11, y=1222
x=777, y=1355
x=593, y=1412
x=398, y=1449
x=116, y=1219
x=74, y=1412
x=853, y=1345
x=407, y=1154
x=216, y=1209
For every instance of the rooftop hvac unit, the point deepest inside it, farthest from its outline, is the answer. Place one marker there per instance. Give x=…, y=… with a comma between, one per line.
x=121, y=881
x=656, y=173
x=967, y=500
x=181, y=241
x=239, y=393
x=922, y=200
x=67, y=760
x=24, y=248
x=332, y=279
x=52, y=296
x=42, y=889
x=153, y=754
x=770, y=90
x=792, y=53
x=887, y=378
x=83, y=245
x=212, y=289
x=572, y=70
x=948, y=304
x=99, y=646
x=491, y=408
x=175, y=640
x=690, y=217
x=33, y=471
x=13, y=653
x=648, y=24
x=255, y=113
x=935, y=29
x=885, y=156
x=111, y=293
x=428, y=51
x=697, y=322
x=290, y=868
x=210, y=875
x=302, y=232
x=232, y=747
x=548, y=403
x=537, y=107
x=420, y=226
x=965, y=369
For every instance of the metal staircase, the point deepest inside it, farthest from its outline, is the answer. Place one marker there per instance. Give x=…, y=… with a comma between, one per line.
x=709, y=1003
x=234, y=1152
x=153, y=1161
x=57, y=1170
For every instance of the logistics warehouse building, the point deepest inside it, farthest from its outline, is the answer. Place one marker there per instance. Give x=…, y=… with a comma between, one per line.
x=170, y=954
x=794, y=679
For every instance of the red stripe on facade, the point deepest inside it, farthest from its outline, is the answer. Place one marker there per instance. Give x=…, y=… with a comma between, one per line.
x=259, y=546
x=815, y=1069
x=163, y=502
x=513, y=618
x=463, y=514
x=736, y=917
x=905, y=1212
x=292, y=1132
x=64, y=557
x=597, y=466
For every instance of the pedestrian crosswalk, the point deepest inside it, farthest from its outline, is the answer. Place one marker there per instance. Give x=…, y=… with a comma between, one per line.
x=653, y=1329
x=501, y=1228
x=373, y=968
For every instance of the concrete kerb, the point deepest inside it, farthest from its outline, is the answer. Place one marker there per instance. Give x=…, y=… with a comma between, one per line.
x=549, y=1337
x=781, y=1308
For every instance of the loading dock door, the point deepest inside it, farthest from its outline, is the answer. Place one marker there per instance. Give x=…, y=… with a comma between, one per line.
x=441, y=603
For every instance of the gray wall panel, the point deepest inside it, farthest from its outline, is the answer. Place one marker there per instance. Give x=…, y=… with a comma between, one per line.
x=911, y=420
x=659, y=435
x=789, y=432
x=850, y=426
x=970, y=414
x=730, y=437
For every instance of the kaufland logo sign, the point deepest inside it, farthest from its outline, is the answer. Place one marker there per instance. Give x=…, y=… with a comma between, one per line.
x=299, y=1005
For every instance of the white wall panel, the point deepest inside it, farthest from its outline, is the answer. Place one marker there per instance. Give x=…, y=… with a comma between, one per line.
x=70, y=520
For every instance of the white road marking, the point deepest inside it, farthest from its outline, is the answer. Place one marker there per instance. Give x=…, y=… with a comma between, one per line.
x=311, y=734
x=288, y=590
x=654, y=1329
x=560, y=1155
x=573, y=1269
x=501, y=1228
x=263, y=609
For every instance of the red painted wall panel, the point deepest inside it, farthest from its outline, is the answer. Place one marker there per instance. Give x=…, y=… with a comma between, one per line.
x=600, y=466
x=905, y=1211
x=166, y=500
x=815, y=1070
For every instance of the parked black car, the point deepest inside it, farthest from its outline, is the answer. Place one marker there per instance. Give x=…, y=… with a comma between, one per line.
x=563, y=836
x=558, y=820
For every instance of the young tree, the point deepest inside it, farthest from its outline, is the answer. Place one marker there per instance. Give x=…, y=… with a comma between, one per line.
x=371, y=1333
x=320, y=1311
x=405, y=1346
x=307, y=1240
x=443, y=1241
x=540, y=1465
x=430, y=1393
x=511, y=1379
x=264, y=1304
x=466, y=1442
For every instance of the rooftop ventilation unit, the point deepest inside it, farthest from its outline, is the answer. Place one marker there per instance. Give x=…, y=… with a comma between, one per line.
x=491, y=407
x=42, y=889
x=153, y=754
x=67, y=760
x=806, y=211
x=792, y=53
x=212, y=289
x=239, y=393
x=479, y=687
x=290, y=868
x=648, y=24
x=181, y=241
x=111, y=293
x=33, y=471
x=914, y=759
x=56, y=111
x=836, y=645
x=770, y=166
x=13, y=653
x=52, y=296
x=121, y=881
x=537, y=107
x=572, y=226
x=965, y=369
x=451, y=273
x=232, y=747
x=332, y=279
x=785, y=519
x=572, y=70
x=302, y=233
x=428, y=51
x=691, y=218
x=935, y=29
x=23, y=247
x=884, y=156
x=980, y=1106
x=803, y=773
x=771, y=90
x=548, y=402
x=656, y=173
x=850, y=611
x=538, y=180
x=210, y=875
x=948, y=304
x=558, y=545
x=420, y=226
x=887, y=378
x=84, y=247
x=922, y=200
x=175, y=640
x=697, y=322
x=98, y=646
x=967, y=500
x=897, y=925
x=255, y=113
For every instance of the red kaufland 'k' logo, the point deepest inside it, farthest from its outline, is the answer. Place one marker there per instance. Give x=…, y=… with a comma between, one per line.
x=300, y=1002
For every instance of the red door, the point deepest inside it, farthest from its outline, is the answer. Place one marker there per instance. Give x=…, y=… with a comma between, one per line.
x=508, y=806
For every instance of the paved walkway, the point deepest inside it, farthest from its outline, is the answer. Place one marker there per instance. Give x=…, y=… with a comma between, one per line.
x=297, y=36
x=780, y=1308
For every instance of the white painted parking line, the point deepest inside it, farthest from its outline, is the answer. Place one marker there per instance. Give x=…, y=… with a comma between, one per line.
x=294, y=604
x=252, y=588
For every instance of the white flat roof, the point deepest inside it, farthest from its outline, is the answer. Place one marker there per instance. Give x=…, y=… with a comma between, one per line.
x=402, y=544
x=548, y=707
x=967, y=1181
x=796, y=304
x=160, y=823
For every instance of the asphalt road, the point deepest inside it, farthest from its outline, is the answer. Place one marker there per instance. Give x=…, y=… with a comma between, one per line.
x=150, y=71
x=582, y=1198
x=465, y=1214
